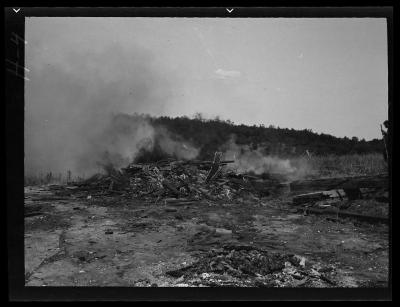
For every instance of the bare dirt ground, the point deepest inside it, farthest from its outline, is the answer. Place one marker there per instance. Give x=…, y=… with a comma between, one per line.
x=115, y=242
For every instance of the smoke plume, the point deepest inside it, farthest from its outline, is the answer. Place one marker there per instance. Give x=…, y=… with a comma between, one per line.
x=248, y=160
x=72, y=107
x=124, y=137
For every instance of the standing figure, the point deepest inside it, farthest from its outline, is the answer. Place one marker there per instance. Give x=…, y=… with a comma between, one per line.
x=385, y=140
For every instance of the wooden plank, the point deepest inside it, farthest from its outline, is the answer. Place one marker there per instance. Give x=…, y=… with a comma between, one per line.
x=215, y=168
x=302, y=186
x=319, y=196
x=336, y=195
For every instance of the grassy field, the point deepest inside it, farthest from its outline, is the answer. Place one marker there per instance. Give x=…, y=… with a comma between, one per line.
x=337, y=166
x=306, y=167
x=30, y=180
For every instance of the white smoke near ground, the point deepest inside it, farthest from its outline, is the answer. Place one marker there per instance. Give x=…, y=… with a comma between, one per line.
x=248, y=160
x=71, y=106
x=175, y=146
x=125, y=136
x=117, y=143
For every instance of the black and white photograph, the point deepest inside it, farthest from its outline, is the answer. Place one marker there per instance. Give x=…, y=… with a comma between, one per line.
x=206, y=152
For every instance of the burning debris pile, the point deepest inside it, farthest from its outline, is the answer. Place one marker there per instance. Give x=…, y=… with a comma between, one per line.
x=247, y=266
x=175, y=181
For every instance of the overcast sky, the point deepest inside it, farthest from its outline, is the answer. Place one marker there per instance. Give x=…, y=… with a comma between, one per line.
x=328, y=75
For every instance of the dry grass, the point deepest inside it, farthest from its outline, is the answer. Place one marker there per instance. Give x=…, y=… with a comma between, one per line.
x=43, y=179
x=314, y=167
x=336, y=166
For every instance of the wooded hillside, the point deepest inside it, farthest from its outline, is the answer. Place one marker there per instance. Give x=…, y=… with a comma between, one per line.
x=210, y=134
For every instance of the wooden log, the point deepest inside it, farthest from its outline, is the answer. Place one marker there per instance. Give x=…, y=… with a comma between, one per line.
x=302, y=186
x=215, y=167
x=318, y=196
x=336, y=195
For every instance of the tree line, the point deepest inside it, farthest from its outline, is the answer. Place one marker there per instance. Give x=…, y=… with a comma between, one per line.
x=210, y=134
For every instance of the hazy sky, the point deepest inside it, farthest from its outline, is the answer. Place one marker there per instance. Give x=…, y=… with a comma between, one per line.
x=328, y=75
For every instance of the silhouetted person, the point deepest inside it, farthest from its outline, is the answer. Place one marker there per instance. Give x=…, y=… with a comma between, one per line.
x=385, y=140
